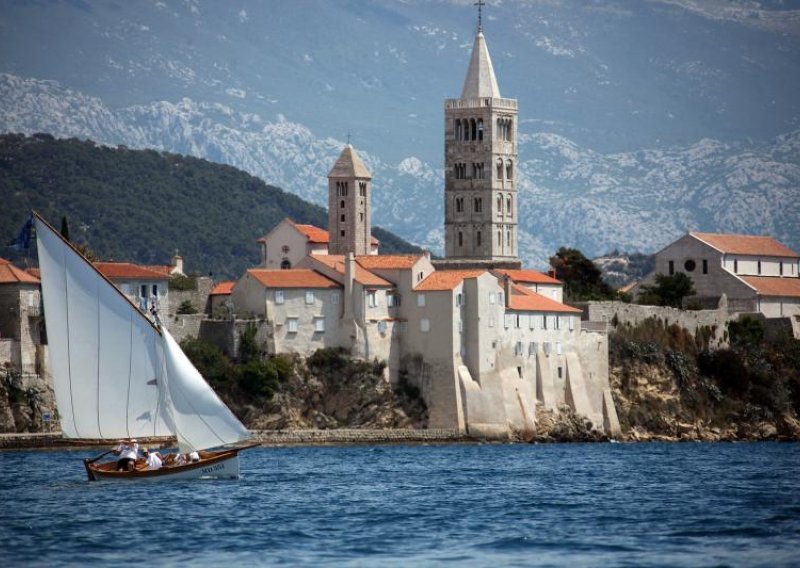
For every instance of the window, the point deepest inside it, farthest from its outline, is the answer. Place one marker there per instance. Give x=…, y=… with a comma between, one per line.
x=544, y=322
x=478, y=205
x=780, y=268
x=341, y=232
x=532, y=321
x=155, y=290
x=372, y=299
x=509, y=207
x=499, y=204
x=735, y=267
x=362, y=188
x=571, y=322
x=424, y=325
x=309, y=296
x=507, y=321
x=556, y=322
x=705, y=266
x=392, y=300
x=286, y=264
x=492, y=297
x=334, y=298
x=420, y=300
x=671, y=267
x=279, y=298
x=560, y=372
x=500, y=169
x=31, y=299
x=459, y=300
x=689, y=265
x=759, y=266
x=532, y=348
x=480, y=129
x=558, y=347
x=341, y=217
x=341, y=204
x=517, y=321
x=319, y=324
x=546, y=347
x=460, y=239
x=291, y=325
x=509, y=170
x=499, y=238
x=478, y=238
x=519, y=350
x=360, y=216
x=500, y=298
x=473, y=129
x=459, y=204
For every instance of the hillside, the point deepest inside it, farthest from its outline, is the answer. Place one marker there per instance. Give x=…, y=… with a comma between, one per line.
x=142, y=205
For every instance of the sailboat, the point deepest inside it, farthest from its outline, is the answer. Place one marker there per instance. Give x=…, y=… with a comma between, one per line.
x=119, y=375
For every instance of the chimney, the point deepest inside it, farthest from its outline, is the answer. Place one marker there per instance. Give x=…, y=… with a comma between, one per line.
x=507, y=289
x=349, y=277
x=177, y=265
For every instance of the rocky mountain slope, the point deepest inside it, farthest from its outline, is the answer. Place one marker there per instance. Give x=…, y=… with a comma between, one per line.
x=570, y=195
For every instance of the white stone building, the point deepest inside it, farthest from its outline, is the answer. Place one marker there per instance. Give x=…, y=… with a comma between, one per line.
x=755, y=273
x=142, y=285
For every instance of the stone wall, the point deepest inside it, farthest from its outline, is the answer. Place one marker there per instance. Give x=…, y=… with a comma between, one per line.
x=226, y=334
x=634, y=314
x=198, y=298
x=183, y=326
x=355, y=436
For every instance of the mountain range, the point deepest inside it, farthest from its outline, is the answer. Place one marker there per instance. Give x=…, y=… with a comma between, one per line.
x=639, y=121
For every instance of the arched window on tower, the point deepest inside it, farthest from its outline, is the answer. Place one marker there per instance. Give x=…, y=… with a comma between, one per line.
x=341, y=204
x=478, y=205
x=509, y=170
x=508, y=239
x=473, y=129
x=459, y=204
x=285, y=264
x=480, y=129
x=499, y=204
x=362, y=188
x=460, y=239
x=457, y=129
x=500, y=169
x=499, y=238
x=478, y=238
x=509, y=207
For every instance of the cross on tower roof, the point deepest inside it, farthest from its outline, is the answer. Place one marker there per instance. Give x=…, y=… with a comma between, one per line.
x=480, y=4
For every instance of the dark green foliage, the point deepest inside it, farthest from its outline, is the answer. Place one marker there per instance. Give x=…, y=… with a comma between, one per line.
x=746, y=333
x=582, y=279
x=328, y=359
x=252, y=380
x=249, y=349
x=139, y=205
x=183, y=283
x=186, y=308
x=668, y=290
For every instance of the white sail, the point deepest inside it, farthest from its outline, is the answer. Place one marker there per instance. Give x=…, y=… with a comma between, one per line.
x=201, y=420
x=106, y=357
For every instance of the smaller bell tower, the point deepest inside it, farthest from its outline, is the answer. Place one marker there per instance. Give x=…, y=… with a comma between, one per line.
x=349, y=205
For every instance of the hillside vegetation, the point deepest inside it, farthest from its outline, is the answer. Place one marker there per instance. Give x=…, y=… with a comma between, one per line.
x=143, y=205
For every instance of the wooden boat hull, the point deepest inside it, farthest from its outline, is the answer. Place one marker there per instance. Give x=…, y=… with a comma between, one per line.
x=219, y=465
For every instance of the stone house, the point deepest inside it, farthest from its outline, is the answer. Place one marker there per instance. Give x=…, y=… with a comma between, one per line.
x=755, y=273
x=22, y=332
x=220, y=305
x=141, y=285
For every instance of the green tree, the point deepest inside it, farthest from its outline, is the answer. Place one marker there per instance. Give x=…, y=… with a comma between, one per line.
x=668, y=290
x=582, y=279
x=747, y=333
x=64, y=227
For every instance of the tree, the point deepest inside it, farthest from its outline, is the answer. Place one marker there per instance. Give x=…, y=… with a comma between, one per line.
x=64, y=227
x=582, y=279
x=668, y=290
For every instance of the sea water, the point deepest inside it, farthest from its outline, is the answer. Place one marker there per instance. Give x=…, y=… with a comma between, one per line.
x=459, y=505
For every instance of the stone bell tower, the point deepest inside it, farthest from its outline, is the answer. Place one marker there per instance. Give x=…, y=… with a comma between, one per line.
x=349, y=205
x=480, y=155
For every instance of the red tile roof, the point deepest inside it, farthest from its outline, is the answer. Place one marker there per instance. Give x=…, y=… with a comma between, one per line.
x=10, y=274
x=162, y=268
x=447, y=279
x=223, y=288
x=34, y=272
x=524, y=300
x=527, y=276
x=362, y=275
x=774, y=286
x=314, y=234
x=388, y=261
x=752, y=245
x=126, y=270
x=292, y=278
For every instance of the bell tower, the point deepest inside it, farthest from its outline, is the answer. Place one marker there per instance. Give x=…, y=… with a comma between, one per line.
x=349, y=205
x=480, y=156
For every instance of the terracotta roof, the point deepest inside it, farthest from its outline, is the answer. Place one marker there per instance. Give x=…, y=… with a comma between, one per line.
x=314, y=234
x=223, y=288
x=753, y=245
x=10, y=274
x=527, y=276
x=524, y=300
x=162, y=268
x=362, y=275
x=774, y=286
x=292, y=278
x=122, y=270
x=388, y=261
x=447, y=279
x=35, y=272
x=349, y=164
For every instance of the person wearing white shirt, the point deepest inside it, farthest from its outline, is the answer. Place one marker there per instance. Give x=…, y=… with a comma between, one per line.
x=153, y=459
x=127, y=452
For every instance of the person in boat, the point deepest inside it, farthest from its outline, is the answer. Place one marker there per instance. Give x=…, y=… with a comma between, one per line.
x=153, y=459
x=127, y=452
